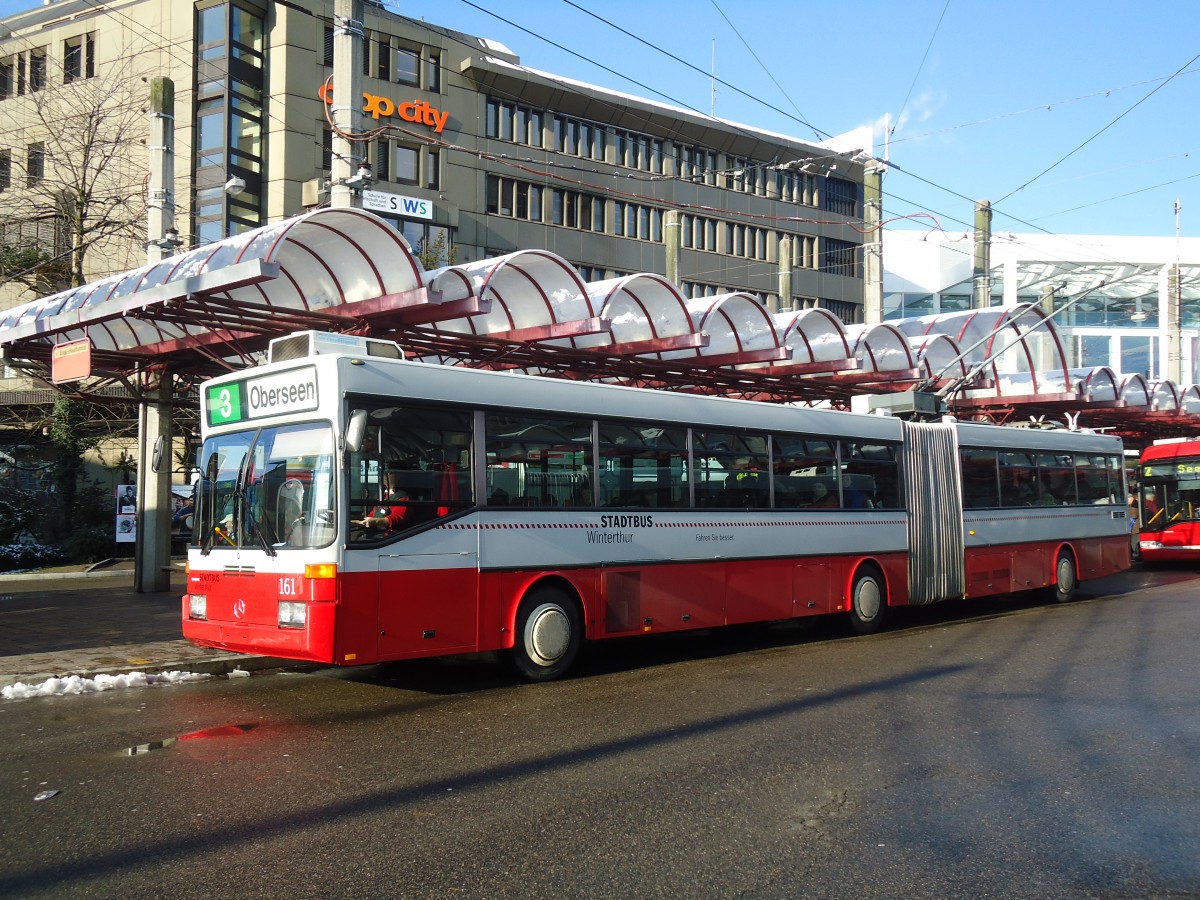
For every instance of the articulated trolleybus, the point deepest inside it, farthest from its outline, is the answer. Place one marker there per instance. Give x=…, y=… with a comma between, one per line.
x=1170, y=501
x=355, y=507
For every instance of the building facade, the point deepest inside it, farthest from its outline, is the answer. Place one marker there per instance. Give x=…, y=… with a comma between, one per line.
x=469, y=153
x=1129, y=303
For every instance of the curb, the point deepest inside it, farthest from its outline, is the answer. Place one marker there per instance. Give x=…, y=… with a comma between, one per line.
x=19, y=577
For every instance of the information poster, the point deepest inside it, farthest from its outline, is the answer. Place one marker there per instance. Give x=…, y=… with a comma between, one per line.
x=126, y=503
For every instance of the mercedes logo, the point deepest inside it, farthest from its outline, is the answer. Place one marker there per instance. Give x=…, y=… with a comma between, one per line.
x=239, y=608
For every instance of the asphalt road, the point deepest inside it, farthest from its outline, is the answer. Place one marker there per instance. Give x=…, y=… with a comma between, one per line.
x=1025, y=751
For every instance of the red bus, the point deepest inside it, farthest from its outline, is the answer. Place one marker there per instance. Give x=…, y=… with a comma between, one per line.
x=1170, y=501
x=357, y=507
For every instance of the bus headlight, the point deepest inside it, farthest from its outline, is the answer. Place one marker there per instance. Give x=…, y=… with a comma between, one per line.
x=292, y=614
x=198, y=606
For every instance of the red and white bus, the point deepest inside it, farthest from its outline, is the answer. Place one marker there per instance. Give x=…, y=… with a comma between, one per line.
x=1170, y=501
x=356, y=507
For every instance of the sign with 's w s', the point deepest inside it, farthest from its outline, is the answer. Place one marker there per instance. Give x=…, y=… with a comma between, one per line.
x=397, y=205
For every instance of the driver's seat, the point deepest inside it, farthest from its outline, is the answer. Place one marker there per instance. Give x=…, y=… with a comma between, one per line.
x=289, y=507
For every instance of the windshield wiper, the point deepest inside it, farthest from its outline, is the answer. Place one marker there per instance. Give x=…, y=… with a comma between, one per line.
x=242, y=494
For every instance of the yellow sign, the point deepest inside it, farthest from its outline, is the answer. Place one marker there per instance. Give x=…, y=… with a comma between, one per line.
x=419, y=112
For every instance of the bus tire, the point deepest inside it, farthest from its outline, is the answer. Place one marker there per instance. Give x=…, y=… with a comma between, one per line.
x=1066, y=579
x=548, y=634
x=868, y=601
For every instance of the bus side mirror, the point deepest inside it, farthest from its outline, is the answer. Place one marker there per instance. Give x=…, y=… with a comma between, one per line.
x=356, y=430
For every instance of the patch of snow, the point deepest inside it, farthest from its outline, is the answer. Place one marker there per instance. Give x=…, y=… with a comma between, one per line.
x=78, y=684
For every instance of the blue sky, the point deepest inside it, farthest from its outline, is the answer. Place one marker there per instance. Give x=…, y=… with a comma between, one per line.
x=1071, y=117
x=983, y=97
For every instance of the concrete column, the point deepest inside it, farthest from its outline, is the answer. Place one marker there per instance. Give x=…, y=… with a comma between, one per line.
x=152, y=552
x=160, y=200
x=152, y=557
x=786, y=262
x=673, y=242
x=346, y=111
x=982, y=294
x=873, y=248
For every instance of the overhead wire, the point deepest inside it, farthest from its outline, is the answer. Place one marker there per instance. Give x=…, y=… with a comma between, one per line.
x=920, y=67
x=380, y=131
x=1079, y=147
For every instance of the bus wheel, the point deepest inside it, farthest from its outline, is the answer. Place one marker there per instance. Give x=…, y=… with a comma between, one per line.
x=1065, y=580
x=868, y=601
x=549, y=632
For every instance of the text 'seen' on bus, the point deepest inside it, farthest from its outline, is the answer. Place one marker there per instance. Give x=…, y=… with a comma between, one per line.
x=354, y=507
x=1170, y=501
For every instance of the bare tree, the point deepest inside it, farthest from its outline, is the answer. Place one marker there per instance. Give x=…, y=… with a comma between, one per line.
x=76, y=207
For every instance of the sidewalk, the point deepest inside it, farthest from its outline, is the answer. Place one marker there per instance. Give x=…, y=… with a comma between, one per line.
x=92, y=623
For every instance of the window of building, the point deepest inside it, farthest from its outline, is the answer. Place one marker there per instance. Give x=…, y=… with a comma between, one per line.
x=327, y=56
x=433, y=72
x=839, y=257
x=5, y=169
x=841, y=196
x=407, y=165
x=576, y=137
x=229, y=138
x=1137, y=355
x=849, y=313
x=515, y=199
x=433, y=169
x=8, y=85
x=37, y=69
x=367, y=43
x=211, y=33
x=246, y=36
x=35, y=163
x=575, y=209
x=796, y=187
x=408, y=66
x=382, y=166
x=804, y=251
x=79, y=58
x=431, y=242
x=384, y=59
x=519, y=124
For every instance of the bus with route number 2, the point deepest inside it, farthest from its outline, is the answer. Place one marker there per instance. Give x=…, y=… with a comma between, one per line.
x=356, y=507
x=1169, y=501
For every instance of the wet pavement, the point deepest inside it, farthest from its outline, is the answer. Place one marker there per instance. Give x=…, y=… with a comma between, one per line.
x=54, y=624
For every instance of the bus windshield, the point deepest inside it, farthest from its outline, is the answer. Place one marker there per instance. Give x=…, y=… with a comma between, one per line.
x=1170, y=493
x=270, y=488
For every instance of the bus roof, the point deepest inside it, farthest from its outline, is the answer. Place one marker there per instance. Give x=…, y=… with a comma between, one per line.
x=359, y=374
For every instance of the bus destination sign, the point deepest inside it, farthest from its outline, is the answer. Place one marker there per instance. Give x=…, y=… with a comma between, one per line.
x=254, y=398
